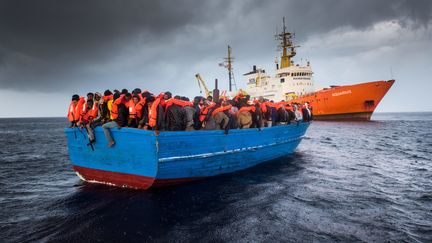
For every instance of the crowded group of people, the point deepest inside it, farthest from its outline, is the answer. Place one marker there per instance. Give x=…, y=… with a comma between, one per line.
x=144, y=110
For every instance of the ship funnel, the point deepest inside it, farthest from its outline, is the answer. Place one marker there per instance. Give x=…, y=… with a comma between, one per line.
x=216, y=91
x=254, y=68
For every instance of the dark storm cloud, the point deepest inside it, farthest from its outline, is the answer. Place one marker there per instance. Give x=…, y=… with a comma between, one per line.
x=310, y=16
x=46, y=45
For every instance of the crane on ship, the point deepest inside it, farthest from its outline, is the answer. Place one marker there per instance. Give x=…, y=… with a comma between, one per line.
x=202, y=83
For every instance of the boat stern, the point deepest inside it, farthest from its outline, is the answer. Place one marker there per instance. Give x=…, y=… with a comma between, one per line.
x=132, y=162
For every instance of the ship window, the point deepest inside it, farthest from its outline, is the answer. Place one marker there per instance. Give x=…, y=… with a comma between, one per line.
x=282, y=80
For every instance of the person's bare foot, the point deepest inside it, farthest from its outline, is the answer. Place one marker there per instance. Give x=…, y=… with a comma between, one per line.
x=110, y=144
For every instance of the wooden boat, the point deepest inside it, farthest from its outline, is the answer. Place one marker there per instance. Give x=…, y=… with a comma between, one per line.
x=142, y=159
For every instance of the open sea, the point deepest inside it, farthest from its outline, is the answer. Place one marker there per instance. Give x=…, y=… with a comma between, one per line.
x=347, y=181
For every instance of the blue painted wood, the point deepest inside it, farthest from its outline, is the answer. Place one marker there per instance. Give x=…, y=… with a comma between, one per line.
x=133, y=153
x=175, y=155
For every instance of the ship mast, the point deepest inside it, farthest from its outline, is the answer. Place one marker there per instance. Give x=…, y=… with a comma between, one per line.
x=228, y=64
x=288, y=49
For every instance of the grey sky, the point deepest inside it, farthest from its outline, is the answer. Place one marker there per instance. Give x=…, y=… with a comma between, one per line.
x=50, y=50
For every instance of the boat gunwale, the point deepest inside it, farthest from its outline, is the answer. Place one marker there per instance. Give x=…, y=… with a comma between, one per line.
x=177, y=133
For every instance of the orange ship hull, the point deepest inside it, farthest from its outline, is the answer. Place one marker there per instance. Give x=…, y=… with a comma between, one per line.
x=350, y=102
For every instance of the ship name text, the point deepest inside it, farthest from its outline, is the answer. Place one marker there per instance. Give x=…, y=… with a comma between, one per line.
x=342, y=93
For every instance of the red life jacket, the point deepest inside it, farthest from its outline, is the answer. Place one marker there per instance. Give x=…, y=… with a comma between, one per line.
x=181, y=103
x=107, y=98
x=221, y=109
x=153, y=112
x=267, y=104
x=135, y=110
x=74, y=111
x=205, y=111
x=91, y=114
x=246, y=109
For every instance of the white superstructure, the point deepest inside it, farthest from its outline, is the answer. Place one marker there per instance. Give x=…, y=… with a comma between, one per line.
x=290, y=81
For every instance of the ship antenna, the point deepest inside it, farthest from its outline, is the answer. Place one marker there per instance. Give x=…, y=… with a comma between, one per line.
x=286, y=43
x=228, y=64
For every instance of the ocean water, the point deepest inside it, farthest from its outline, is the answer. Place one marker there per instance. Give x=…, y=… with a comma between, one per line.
x=347, y=181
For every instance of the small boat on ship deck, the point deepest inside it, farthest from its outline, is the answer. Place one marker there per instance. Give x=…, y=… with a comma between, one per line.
x=142, y=159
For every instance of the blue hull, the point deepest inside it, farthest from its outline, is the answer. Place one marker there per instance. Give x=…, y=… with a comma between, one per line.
x=142, y=159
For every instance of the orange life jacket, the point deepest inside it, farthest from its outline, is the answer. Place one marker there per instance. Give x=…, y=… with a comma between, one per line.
x=221, y=109
x=135, y=110
x=181, y=103
x=153, y=112
x=89, y=115
x=114, y=107
x=108, y=97
x=205, y=111
x=246, y=108
x=74, y=111
x=269, y=104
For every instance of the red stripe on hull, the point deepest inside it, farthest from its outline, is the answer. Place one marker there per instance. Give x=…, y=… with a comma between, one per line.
x=114, y=178
x=361, y=116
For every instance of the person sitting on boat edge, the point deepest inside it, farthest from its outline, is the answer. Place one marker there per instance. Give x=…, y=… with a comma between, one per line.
x=75, y=109
x=89, y=113
x=117, y=121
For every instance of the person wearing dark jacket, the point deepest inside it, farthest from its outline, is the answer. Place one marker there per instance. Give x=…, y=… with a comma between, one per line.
x=176, y=118
x=307, y=114
x=123, y=111
x=283, y=116
x=198, y=102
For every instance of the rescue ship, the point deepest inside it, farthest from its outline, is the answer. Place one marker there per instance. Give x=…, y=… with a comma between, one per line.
x=294, y=82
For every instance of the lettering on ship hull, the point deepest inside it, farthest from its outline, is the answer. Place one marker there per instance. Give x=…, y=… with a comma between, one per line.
x=342, y=93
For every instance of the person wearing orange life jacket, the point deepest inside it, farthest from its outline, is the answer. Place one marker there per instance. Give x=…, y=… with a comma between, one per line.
x=106, y=106
x=190, y=113
x=244, y=116
x=90, y=97
x=135, y=111
x=221, y=116
x=115, y=122
x=206, y=110
x=210, y=122
x=283, y=116
x=232, y=115
x=154, y=119
x=100, y=103
x=164, y=98
x=75, y=108
x=258, y=115
x=175, y=114
x=91, y=111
